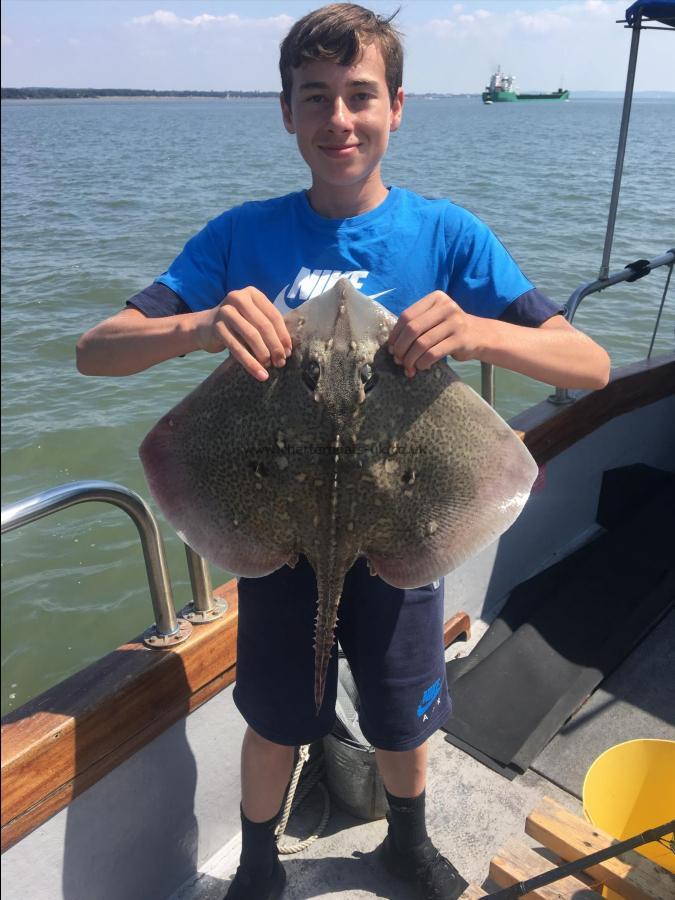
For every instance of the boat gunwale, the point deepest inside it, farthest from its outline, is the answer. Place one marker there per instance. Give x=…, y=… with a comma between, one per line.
x=57, y=745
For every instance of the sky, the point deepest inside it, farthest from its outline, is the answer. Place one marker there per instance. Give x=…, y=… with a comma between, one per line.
x=233, y=44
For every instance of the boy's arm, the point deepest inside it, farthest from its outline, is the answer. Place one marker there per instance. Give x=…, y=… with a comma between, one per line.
x=554, y=352
x=246, y=323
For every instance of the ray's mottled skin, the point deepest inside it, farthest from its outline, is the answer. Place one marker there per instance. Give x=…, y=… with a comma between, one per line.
x=337, y=455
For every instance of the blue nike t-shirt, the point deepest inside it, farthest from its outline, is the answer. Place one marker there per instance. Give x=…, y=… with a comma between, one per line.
x=405, y=248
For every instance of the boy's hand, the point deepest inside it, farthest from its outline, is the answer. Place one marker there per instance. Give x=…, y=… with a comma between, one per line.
x=431, y=329
x=248, y=325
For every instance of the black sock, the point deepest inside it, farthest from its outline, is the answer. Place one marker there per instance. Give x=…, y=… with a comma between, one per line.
x=258, y=846
x=407, y=821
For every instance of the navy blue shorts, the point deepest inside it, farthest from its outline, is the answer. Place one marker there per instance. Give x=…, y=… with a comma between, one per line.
x=392, y=638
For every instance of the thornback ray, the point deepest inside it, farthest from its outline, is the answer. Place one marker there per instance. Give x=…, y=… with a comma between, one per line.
x=337, y=455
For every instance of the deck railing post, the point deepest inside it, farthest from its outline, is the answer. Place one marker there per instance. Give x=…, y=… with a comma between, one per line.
x=168, y=629
x=487, y=383
x=204, y=607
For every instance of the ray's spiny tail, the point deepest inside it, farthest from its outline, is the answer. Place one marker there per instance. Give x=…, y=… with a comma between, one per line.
x=329, y=594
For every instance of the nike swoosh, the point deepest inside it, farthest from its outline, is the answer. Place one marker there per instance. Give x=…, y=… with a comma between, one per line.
x=423, y=708
x=281, y=296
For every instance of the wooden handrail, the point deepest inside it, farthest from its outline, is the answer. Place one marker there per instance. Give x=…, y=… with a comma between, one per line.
x=547, y=429
x=56, y=746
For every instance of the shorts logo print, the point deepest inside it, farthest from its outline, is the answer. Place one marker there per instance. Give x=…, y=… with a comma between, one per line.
x=428, y=698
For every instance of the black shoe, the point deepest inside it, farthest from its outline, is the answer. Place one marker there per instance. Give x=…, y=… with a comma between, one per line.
x=246, y=887
x=435, y=876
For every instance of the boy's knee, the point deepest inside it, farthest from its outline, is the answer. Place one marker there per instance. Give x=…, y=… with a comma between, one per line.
x=269, y=748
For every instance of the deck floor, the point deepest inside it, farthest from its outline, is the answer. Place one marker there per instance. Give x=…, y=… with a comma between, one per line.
x=471, y=810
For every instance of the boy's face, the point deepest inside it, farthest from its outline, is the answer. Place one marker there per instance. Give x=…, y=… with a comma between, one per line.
x=342, y=118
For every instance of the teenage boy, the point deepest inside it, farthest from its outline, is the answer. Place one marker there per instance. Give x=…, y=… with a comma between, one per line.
x=457, y=292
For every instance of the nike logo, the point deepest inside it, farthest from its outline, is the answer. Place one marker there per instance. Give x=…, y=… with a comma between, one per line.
x=310, y=283
x=422, y=709
x=429, y=697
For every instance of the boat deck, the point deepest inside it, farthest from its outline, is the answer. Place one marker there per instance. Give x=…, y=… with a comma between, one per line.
x=472, y=810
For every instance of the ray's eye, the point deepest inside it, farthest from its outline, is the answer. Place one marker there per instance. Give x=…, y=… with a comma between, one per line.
x=311, y=373
x=368, y=377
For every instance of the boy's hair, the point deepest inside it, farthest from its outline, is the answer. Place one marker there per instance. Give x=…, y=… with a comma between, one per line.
x=340, y=33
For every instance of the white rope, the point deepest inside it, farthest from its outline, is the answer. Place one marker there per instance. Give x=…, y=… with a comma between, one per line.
x=290, y=805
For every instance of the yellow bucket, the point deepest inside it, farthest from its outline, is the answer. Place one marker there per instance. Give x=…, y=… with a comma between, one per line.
x=631, y=788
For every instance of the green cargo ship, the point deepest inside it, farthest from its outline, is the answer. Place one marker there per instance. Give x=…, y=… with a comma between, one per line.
x=501, y=90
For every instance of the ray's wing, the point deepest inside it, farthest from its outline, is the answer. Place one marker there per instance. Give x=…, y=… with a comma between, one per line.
x=212, y=459
x=453, y=482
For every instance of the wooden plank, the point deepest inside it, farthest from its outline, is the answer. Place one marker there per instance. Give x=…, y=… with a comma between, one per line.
x=517, y=862
x=473, y=892
x=632, y=875
x=56, y=746
x=49, y=805
x=548, y=429
x=459, y=624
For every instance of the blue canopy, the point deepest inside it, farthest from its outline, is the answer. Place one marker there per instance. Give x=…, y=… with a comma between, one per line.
x=659, y=10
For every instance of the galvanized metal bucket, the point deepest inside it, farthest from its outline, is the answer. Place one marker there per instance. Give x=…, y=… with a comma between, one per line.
x=353, y=780
x=351, y=771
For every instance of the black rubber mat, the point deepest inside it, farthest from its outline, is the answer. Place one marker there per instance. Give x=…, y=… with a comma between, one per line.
x=563, y=631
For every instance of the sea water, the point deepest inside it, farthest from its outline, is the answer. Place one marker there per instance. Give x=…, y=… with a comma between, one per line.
x=99, y=196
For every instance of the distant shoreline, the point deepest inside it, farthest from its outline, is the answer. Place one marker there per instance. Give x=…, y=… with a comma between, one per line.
x=39, y=93
x=42, y=94
x=132, y=98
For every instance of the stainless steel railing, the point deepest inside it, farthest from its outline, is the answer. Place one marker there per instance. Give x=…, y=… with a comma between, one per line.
x=168, y=629
x=632, y=272
x=204, y=607
x=487, y=382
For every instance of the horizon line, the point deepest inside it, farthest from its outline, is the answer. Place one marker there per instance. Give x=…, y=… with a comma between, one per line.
x=275, y=93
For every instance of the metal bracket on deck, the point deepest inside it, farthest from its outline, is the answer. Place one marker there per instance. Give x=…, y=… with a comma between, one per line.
x=156, y=641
